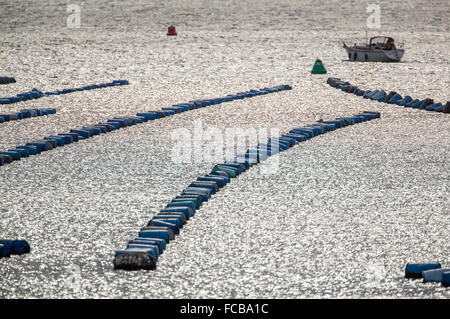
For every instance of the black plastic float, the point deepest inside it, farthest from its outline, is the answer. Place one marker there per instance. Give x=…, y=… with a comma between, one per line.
x=7, y=80
x=10, y=247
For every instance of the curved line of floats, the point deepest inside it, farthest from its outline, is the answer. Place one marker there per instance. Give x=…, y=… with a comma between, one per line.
x=430, y=272
x=8, y=247
x=391, y=97
x=26, y=113
x=74, y=135
x=18, y=247
x=143, y=251
x=7, y=80
x=36, y=94
x=13, y=247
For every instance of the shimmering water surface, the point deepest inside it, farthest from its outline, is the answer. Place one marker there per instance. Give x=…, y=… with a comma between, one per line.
x=341, y=217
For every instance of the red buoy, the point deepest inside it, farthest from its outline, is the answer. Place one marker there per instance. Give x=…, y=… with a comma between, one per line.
x=172, y=31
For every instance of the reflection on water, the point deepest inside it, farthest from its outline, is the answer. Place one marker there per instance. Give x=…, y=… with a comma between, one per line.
x=342, y=217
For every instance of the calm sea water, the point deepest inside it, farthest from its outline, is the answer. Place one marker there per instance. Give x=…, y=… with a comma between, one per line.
x=341, y=217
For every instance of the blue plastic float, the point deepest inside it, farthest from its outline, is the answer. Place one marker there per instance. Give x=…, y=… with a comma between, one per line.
x=392, y=97
x=434, y=275
x=415, y=270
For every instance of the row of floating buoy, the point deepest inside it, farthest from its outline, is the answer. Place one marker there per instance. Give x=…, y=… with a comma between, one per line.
x=7, y=80
x=391, y=97
x=143, y=251
x=429, y=272
x=36, y=94
x=74, y=135
x=10, y=247
x=26, y=113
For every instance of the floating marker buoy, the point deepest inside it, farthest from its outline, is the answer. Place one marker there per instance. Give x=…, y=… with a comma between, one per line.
x=171, y=30
x=6, y=80
x=318, y=68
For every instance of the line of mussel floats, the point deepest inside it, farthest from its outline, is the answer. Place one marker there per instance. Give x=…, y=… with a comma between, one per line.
x=26, y=113
x=18, y=247
x=74, y=135
x=143, y=251
x=36, y=94
x=392, y=97
x=10, y=247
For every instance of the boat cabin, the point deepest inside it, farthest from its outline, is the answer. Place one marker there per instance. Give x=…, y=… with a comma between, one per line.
x=381, y=42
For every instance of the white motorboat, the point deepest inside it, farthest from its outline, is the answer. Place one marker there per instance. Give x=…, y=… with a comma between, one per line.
x=379, y=49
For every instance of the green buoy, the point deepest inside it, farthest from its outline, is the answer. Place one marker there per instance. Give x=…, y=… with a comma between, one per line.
x=318, y=68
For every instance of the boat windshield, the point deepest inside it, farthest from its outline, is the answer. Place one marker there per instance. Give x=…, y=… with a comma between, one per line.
x=385, y=43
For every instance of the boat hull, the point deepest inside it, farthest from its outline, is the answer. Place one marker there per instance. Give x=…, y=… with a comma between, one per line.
x=374, y=55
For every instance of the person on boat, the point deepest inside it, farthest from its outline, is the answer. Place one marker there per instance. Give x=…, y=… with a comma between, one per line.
x=389, y=43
